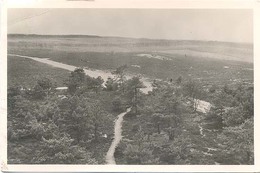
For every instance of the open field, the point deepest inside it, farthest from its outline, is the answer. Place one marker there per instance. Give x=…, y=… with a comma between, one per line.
x=209, y=62
x=70, y=43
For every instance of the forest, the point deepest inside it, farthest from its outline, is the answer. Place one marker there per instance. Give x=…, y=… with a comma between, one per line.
x=47, y=125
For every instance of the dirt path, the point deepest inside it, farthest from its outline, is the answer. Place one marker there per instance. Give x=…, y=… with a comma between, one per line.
x=92, y=73
x=110, y=159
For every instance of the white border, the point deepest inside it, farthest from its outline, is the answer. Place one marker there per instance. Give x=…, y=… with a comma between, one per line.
x=156, y=4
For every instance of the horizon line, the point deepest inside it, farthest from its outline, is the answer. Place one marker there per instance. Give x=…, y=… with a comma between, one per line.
x=100, y=36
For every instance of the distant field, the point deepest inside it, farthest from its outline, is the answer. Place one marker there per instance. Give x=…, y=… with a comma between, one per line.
x=209, y=52
x=26, y=72
x=220, y=50
x=209, y=62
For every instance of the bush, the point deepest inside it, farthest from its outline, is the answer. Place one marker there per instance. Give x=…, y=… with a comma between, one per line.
x=117, y=104
x=233, y=117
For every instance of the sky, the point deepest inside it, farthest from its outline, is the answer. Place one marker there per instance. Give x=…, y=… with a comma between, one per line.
x=232, y=25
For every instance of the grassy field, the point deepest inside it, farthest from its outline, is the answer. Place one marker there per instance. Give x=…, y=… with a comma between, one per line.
x=208, y=61
x=203, y=69
x=206, y=70
x=26, y=72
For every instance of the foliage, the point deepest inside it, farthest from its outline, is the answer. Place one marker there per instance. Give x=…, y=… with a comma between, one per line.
x=45, y=83
x=238, y=143
x=141, y=152
x=120, y=77
x=118, y=105
x=133, y=93
x=78, y=79
x=111, y=85
x=39, y=116
x=68, y=127
x=193, y=90
x=60, y=150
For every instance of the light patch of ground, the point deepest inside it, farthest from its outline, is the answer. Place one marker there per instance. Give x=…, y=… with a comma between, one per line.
x=153, y=56
x=137, y=66
x=205, y=54
x=202, y=106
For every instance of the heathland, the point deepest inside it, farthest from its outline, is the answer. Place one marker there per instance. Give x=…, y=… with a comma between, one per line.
x=199, y=111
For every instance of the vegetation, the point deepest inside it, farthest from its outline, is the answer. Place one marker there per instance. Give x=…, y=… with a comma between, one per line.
x=69, y=127
x=24, y=72
x=207, y=71
x=61, y=125
x=173, y=133
x=165, y=126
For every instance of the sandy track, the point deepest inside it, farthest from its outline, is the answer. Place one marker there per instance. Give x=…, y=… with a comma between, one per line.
x=110, y=159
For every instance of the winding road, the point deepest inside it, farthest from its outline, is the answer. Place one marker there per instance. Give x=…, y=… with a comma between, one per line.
x=110, y=159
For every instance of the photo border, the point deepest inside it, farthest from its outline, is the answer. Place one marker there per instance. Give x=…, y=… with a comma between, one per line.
x=141, y=4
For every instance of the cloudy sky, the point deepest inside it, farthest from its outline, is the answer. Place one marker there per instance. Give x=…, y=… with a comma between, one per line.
x=185, y=24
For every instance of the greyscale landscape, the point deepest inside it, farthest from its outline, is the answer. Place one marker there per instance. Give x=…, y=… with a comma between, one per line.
x=95, y=99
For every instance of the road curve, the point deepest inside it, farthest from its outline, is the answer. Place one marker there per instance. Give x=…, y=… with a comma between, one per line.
x=110, y=159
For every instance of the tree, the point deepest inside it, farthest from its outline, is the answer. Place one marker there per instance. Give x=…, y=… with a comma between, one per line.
x=238, y=143
x=178, y=151
x=12, y=94
x=111, y=84
x=76, y=79
x=36, y=93
x=94, y=83
x=214, y=118
x=60, y=150
x=233, y=116
x=120, y=76
x=74, y=118
x=117, y=104
x=193, y=90
x=97, y=117
x=36, y=129
x=171, y=104
x=226, y=89
x=13, y=91
x=40, y=90
x=159, y=120
x=173, y=123
x=133, y=90
x=80, y=82
x=140, y=152
x=244, y=97
x=45, y=83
